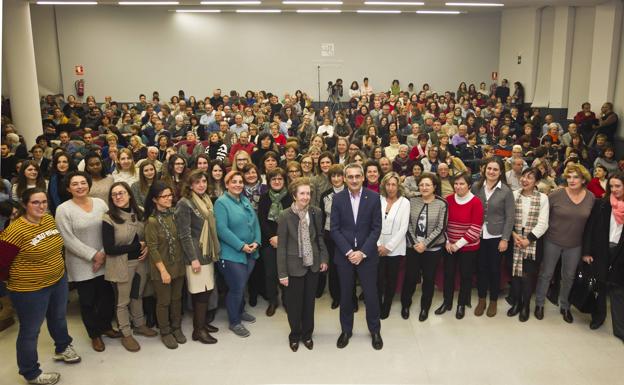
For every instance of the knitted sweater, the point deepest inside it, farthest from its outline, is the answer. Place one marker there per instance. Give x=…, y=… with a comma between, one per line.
x=465, y=218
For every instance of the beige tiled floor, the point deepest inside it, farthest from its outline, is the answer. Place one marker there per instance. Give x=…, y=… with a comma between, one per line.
x=442, y=350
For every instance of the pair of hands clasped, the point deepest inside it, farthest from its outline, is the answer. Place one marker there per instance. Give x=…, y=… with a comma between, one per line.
x=100, y=257
x=284, y=281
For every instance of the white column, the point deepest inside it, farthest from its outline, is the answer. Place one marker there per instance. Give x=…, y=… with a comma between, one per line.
x=21, y=71
x=605, y=53
x=561, y=56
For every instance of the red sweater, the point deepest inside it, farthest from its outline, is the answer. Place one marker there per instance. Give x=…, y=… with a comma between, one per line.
x=464, y=221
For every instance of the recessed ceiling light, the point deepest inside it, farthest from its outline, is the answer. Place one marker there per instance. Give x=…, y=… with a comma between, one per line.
x=233, y=2
x=258, y=11
x=475, y=4
x=66, y=2
x=149, y=3
x=319, y=11
x=198, y=11
x=395, y=11
x=394, y=3
x=425, y=12
x=320, y=2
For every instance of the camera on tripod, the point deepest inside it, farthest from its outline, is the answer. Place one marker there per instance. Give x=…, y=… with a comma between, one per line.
x=335, y=90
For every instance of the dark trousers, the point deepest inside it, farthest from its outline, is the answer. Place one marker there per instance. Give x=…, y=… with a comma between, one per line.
x=271, y=282
x=367, y=271
x=256, y=281
x=388, y=272
x=420, y=265
x=332, y=273
x=236, y=276
x=600, y=311
x=169, y=304
x=489, y=268
x=300, y=298
x=522, y=287
x=616, y=294
x=97, y=305
x=466, y=261
x=32, y=308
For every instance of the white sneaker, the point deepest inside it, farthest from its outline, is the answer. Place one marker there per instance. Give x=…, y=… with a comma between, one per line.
x=46, y=379
x=68, y=356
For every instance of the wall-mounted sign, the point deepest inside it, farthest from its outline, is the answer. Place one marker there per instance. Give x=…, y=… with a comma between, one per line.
x=327, y=49
x=79, y=70
x=494, y=75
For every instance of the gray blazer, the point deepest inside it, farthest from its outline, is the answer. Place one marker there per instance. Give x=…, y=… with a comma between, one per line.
x=189, y=223
x=288, y=261
x=499, y=211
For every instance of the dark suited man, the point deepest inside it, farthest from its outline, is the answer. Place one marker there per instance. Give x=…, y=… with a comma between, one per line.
x=355, y=226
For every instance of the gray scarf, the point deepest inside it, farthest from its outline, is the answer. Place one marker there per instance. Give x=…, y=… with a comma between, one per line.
x=303, y=236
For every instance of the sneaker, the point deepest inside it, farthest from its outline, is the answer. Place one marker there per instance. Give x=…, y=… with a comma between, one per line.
x=179, y=336
x=240, y=330
x=46, y=379
x=169, y=341
x=248, y=317
x=130, y=344
x=69, y=355
x=143, y=330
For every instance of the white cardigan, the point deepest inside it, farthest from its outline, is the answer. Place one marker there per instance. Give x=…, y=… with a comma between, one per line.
x=394, y=226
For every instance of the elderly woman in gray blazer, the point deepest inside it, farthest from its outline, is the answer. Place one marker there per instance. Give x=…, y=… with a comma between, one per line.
x=301, y=254
x=498, y=220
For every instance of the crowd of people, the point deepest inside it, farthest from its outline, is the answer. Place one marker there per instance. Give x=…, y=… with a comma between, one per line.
x=154, y=208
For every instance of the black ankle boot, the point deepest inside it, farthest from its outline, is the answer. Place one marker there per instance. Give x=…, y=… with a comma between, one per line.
x=514, y=310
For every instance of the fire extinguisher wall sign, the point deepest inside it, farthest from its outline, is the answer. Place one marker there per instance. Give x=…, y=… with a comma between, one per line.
x=79, y=69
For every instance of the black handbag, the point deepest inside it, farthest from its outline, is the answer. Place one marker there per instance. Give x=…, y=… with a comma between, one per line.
x=584, y=289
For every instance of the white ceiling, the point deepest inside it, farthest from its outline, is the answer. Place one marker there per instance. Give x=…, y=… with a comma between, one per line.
x=352, y=5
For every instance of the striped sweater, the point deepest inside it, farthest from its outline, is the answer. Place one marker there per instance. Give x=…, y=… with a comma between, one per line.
x=465, y=218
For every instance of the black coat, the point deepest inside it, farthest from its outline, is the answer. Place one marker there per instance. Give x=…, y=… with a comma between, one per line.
x=269, y=228
x=596, y=244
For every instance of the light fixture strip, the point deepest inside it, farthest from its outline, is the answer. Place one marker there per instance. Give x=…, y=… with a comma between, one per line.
x=149, y=3
x=305, y=2
x=474, y=4
x=386, y=11
x=394, y=3
x=198, y=11
x=233, y=2
x=319, y=11
x=258, y=11
x=66, y=3
x=426, y=12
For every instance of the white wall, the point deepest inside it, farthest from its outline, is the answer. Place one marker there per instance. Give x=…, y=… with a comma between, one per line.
x=581, y=59
x=544, y=58
x=618, y=102
x=127, y=50
x=519, y=36
x=46, y=49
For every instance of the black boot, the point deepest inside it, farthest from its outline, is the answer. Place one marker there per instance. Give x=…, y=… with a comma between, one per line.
x=525, y=313
x=514, y=310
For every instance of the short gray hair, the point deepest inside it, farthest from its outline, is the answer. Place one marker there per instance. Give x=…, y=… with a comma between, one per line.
x=354, y=165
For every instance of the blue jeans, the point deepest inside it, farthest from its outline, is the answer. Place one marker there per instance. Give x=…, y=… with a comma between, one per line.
x=32, y=308
x=236, y=275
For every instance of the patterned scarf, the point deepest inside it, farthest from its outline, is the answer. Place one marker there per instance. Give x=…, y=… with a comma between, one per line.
x=276, y=203
x=170, y=233
x=617, y=208
x=519, y=254
x=208, y=239
x=303, y=236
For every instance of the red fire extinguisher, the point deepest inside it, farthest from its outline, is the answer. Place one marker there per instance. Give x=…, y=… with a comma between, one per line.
x=79, y=85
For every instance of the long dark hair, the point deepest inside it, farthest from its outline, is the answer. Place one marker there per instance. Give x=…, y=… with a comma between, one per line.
x=212, y=183
x=155, y=190
x=115, y=212
x=55, y=159
x=619, y=175
x=21, y=177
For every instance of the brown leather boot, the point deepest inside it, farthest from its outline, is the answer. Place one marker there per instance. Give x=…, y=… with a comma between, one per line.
x=491, y=310
x=200, y=333
x=480, y=307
